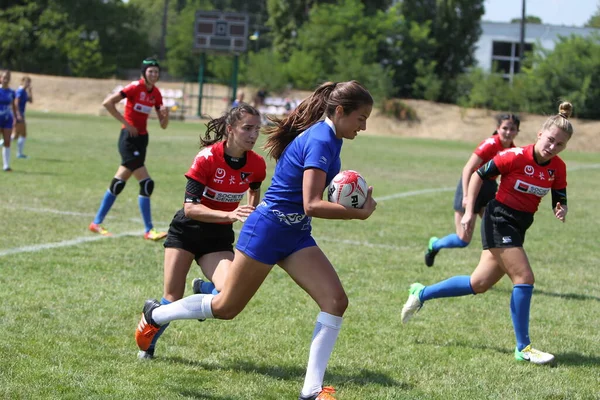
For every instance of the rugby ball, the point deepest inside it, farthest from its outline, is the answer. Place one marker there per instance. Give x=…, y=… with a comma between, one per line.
x=348, y=188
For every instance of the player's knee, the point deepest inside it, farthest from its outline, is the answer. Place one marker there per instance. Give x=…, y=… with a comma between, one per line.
x=146, y=187
x=116, y=186
x=226, y=311
x=336, y=303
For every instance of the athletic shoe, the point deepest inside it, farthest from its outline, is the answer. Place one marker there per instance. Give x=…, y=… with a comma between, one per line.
x=23, y=156
x=413, y=304
x=153, y=234
x=96, y=228
x=431, y=253
x=197, y=289
x=533, y=356
x=146, y=355
x=324, y=394
x=147, y=328
x=8, y=169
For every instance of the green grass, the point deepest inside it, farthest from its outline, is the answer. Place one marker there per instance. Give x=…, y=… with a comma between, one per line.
x=68, y=310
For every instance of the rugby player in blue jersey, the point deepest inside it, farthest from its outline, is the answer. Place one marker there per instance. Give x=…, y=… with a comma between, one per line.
x=307, y=150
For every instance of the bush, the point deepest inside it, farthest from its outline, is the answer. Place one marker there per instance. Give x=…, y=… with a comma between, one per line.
x=397, y=109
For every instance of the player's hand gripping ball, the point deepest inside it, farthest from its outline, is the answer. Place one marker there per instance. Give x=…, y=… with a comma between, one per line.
x=348, y=188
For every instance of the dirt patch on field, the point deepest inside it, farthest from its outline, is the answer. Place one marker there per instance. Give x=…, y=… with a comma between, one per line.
x=443, y=121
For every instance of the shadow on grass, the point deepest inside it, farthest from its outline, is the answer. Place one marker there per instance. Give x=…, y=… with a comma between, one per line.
x=196, y=395
x=564, y=359
x=334, y=376
x=569, y=296
x=574, y=359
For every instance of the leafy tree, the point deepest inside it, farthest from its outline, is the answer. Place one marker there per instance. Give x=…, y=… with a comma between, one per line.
x=594, y=21
x=344, y=44
x=455, y=29
x=568, y=72
x=529, y=19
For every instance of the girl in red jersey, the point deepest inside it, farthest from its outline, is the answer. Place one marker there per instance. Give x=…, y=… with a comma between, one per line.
x=142, y=96
x=502, y=138
x=223, y=171
x=528, y=173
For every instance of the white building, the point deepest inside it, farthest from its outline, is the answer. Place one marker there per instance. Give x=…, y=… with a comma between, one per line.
x=499, y=42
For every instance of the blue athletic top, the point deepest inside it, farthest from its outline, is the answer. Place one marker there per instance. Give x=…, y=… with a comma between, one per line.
x=23, y=97
x=317, y=147
x=7, y=96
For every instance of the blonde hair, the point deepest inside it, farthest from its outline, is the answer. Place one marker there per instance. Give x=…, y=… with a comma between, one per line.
x=561, y=120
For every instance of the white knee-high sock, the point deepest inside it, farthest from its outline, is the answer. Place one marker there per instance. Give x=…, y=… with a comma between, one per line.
x=20, y=145
x=6, y=157
x=196, y=306
x=324, y=338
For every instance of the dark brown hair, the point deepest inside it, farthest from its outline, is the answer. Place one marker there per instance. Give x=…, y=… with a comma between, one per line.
x=507, y=117
x=218, y=126
x=349, y=95
x=565, y=110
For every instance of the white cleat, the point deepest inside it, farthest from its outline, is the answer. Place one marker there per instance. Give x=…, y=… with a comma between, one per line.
x=534, y=356
x=413, y=304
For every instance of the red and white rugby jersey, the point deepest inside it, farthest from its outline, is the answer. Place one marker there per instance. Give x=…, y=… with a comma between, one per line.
x=225, y=186
x=140, y=103
x=488, y=148
x=524, y=182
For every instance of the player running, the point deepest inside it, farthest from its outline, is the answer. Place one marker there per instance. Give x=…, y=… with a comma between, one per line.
x=502, y=138
x=527, y=174
x=223, y=171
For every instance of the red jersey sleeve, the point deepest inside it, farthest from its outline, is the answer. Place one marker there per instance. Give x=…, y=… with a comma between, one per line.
x=504, y=160
x=488, y=148
x=158, y=98
x=130, y=90
x=261, y=168
x=201, y=169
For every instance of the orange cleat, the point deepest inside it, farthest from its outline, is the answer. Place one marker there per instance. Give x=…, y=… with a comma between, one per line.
x=147, y=328
x=152, y=234
x=96, y=228
x=325, y=394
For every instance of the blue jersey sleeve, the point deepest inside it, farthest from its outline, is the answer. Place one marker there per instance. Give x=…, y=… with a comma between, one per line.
x=319, y=154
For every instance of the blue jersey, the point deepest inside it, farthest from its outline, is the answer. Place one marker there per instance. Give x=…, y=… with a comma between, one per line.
x=23, y=97
x=317, y=147
x=7, y=96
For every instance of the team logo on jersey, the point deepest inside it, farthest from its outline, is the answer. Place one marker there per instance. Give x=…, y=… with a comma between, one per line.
x=323, y=160
x=525, y=187
x=529, y=170
x=142, y=108
x=245, y=175
x=289, y=219
x=220, y=173
x=550, y=174
x=542, y=176
x=506, y=239
x=224, y=197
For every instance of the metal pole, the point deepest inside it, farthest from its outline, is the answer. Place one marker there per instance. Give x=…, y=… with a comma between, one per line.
x=200, y=82
x=522, y=42
x=234, y=77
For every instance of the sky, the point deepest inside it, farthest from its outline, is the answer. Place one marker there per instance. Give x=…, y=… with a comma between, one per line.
x=554, y=12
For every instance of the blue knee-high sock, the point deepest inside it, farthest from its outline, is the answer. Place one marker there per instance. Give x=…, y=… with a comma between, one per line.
x=107, y=201
x=453, y=287
x=163, y=301
x=450, y=241
x=144, y=203
x=520, y=304
x=208, y=287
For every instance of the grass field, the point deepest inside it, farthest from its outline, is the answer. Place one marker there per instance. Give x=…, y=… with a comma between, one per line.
x=70, y=300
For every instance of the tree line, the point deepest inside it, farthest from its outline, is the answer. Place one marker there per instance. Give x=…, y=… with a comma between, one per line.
x=409, y=49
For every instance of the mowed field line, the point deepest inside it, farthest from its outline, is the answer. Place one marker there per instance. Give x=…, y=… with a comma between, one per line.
x=85, y=239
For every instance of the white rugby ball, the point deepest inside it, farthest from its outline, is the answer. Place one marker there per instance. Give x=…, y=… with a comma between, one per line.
x=348, y=188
